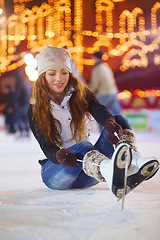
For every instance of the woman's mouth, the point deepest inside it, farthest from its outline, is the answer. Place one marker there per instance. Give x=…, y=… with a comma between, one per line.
x=58, y=85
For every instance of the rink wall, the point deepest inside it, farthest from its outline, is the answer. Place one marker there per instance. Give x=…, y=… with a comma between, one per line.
x=140, y=120
x=143, y=119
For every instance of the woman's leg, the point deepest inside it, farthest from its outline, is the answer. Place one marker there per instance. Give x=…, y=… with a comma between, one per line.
x=103, y=145
x=123, y=122
x=60, y=177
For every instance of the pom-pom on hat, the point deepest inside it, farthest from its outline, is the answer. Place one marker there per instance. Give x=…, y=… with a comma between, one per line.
x=53, y=57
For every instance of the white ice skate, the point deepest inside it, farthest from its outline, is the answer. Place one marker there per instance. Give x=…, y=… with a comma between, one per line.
x=115, y=170
x=127, y=170
x=123, y=172
x=112, y=171
x=141, y=169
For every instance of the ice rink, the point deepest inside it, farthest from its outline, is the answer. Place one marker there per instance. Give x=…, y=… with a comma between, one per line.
x=31, y=211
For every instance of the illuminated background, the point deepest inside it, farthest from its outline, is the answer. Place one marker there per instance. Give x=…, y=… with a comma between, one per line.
x=127, y=31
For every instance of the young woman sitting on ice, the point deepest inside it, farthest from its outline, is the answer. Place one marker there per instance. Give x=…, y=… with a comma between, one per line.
x=57, y=118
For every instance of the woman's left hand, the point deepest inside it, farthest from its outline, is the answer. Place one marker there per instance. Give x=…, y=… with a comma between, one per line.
x=112, y=127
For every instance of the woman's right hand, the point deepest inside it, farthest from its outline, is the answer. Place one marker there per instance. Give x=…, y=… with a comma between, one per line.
x=66, y=158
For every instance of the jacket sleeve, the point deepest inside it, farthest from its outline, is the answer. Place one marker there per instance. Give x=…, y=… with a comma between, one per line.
x=97, y=110
x=47, y=147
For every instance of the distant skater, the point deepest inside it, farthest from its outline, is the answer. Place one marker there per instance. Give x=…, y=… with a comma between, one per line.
x=103, y=85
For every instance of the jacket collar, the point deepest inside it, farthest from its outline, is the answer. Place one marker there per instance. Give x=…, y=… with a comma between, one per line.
x=69, y=91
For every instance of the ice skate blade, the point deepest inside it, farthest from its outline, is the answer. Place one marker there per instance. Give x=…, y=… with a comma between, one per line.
x=144, y=173
x=122, y=161
x=125, y=177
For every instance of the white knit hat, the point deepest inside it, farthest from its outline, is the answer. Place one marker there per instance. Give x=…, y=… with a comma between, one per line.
x=53, y=57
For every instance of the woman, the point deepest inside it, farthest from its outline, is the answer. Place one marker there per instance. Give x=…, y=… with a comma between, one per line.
x=57, y=119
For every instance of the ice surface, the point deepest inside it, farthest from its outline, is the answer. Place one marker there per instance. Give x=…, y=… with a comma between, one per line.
x=31, y=211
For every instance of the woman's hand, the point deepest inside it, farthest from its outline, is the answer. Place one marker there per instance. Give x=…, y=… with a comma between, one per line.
x=112, y=127
x=66, y=158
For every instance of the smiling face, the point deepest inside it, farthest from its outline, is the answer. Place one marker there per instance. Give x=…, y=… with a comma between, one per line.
x=57, y=80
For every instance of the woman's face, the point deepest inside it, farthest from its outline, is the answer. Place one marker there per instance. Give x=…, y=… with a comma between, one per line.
x=57, y=79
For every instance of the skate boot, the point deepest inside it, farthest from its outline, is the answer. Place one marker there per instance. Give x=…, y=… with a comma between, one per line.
x=141, y=169
x=111, y=170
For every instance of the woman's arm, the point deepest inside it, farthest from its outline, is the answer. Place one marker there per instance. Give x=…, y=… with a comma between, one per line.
x=47, y=147
x=106, y=119
x=98, y=111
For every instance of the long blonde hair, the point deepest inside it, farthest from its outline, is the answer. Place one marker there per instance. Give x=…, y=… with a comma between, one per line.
x=44, y=119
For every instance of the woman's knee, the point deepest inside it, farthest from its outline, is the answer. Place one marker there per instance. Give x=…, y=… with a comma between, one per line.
x=81, y=148
x=122, y=121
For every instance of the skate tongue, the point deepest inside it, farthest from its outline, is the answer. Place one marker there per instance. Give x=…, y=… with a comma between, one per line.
x=135, y=154
x=132, y=169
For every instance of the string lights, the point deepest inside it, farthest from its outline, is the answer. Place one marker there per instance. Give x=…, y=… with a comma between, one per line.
x=149, y=98
x=78, y=37
x=13, y=66
x=104, y=7
x=51, y=24
x=139, y=93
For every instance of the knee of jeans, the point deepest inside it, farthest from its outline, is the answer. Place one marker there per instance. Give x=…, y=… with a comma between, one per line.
x=55, y=183
x=87, y=143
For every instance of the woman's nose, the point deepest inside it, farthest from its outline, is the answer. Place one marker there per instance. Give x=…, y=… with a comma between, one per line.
x=57, y=77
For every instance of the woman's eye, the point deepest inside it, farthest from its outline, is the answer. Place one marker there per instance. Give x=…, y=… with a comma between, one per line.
x=64, y=73
x=51, y=74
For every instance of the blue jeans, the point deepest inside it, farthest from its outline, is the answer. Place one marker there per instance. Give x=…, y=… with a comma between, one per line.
x=59, y=177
